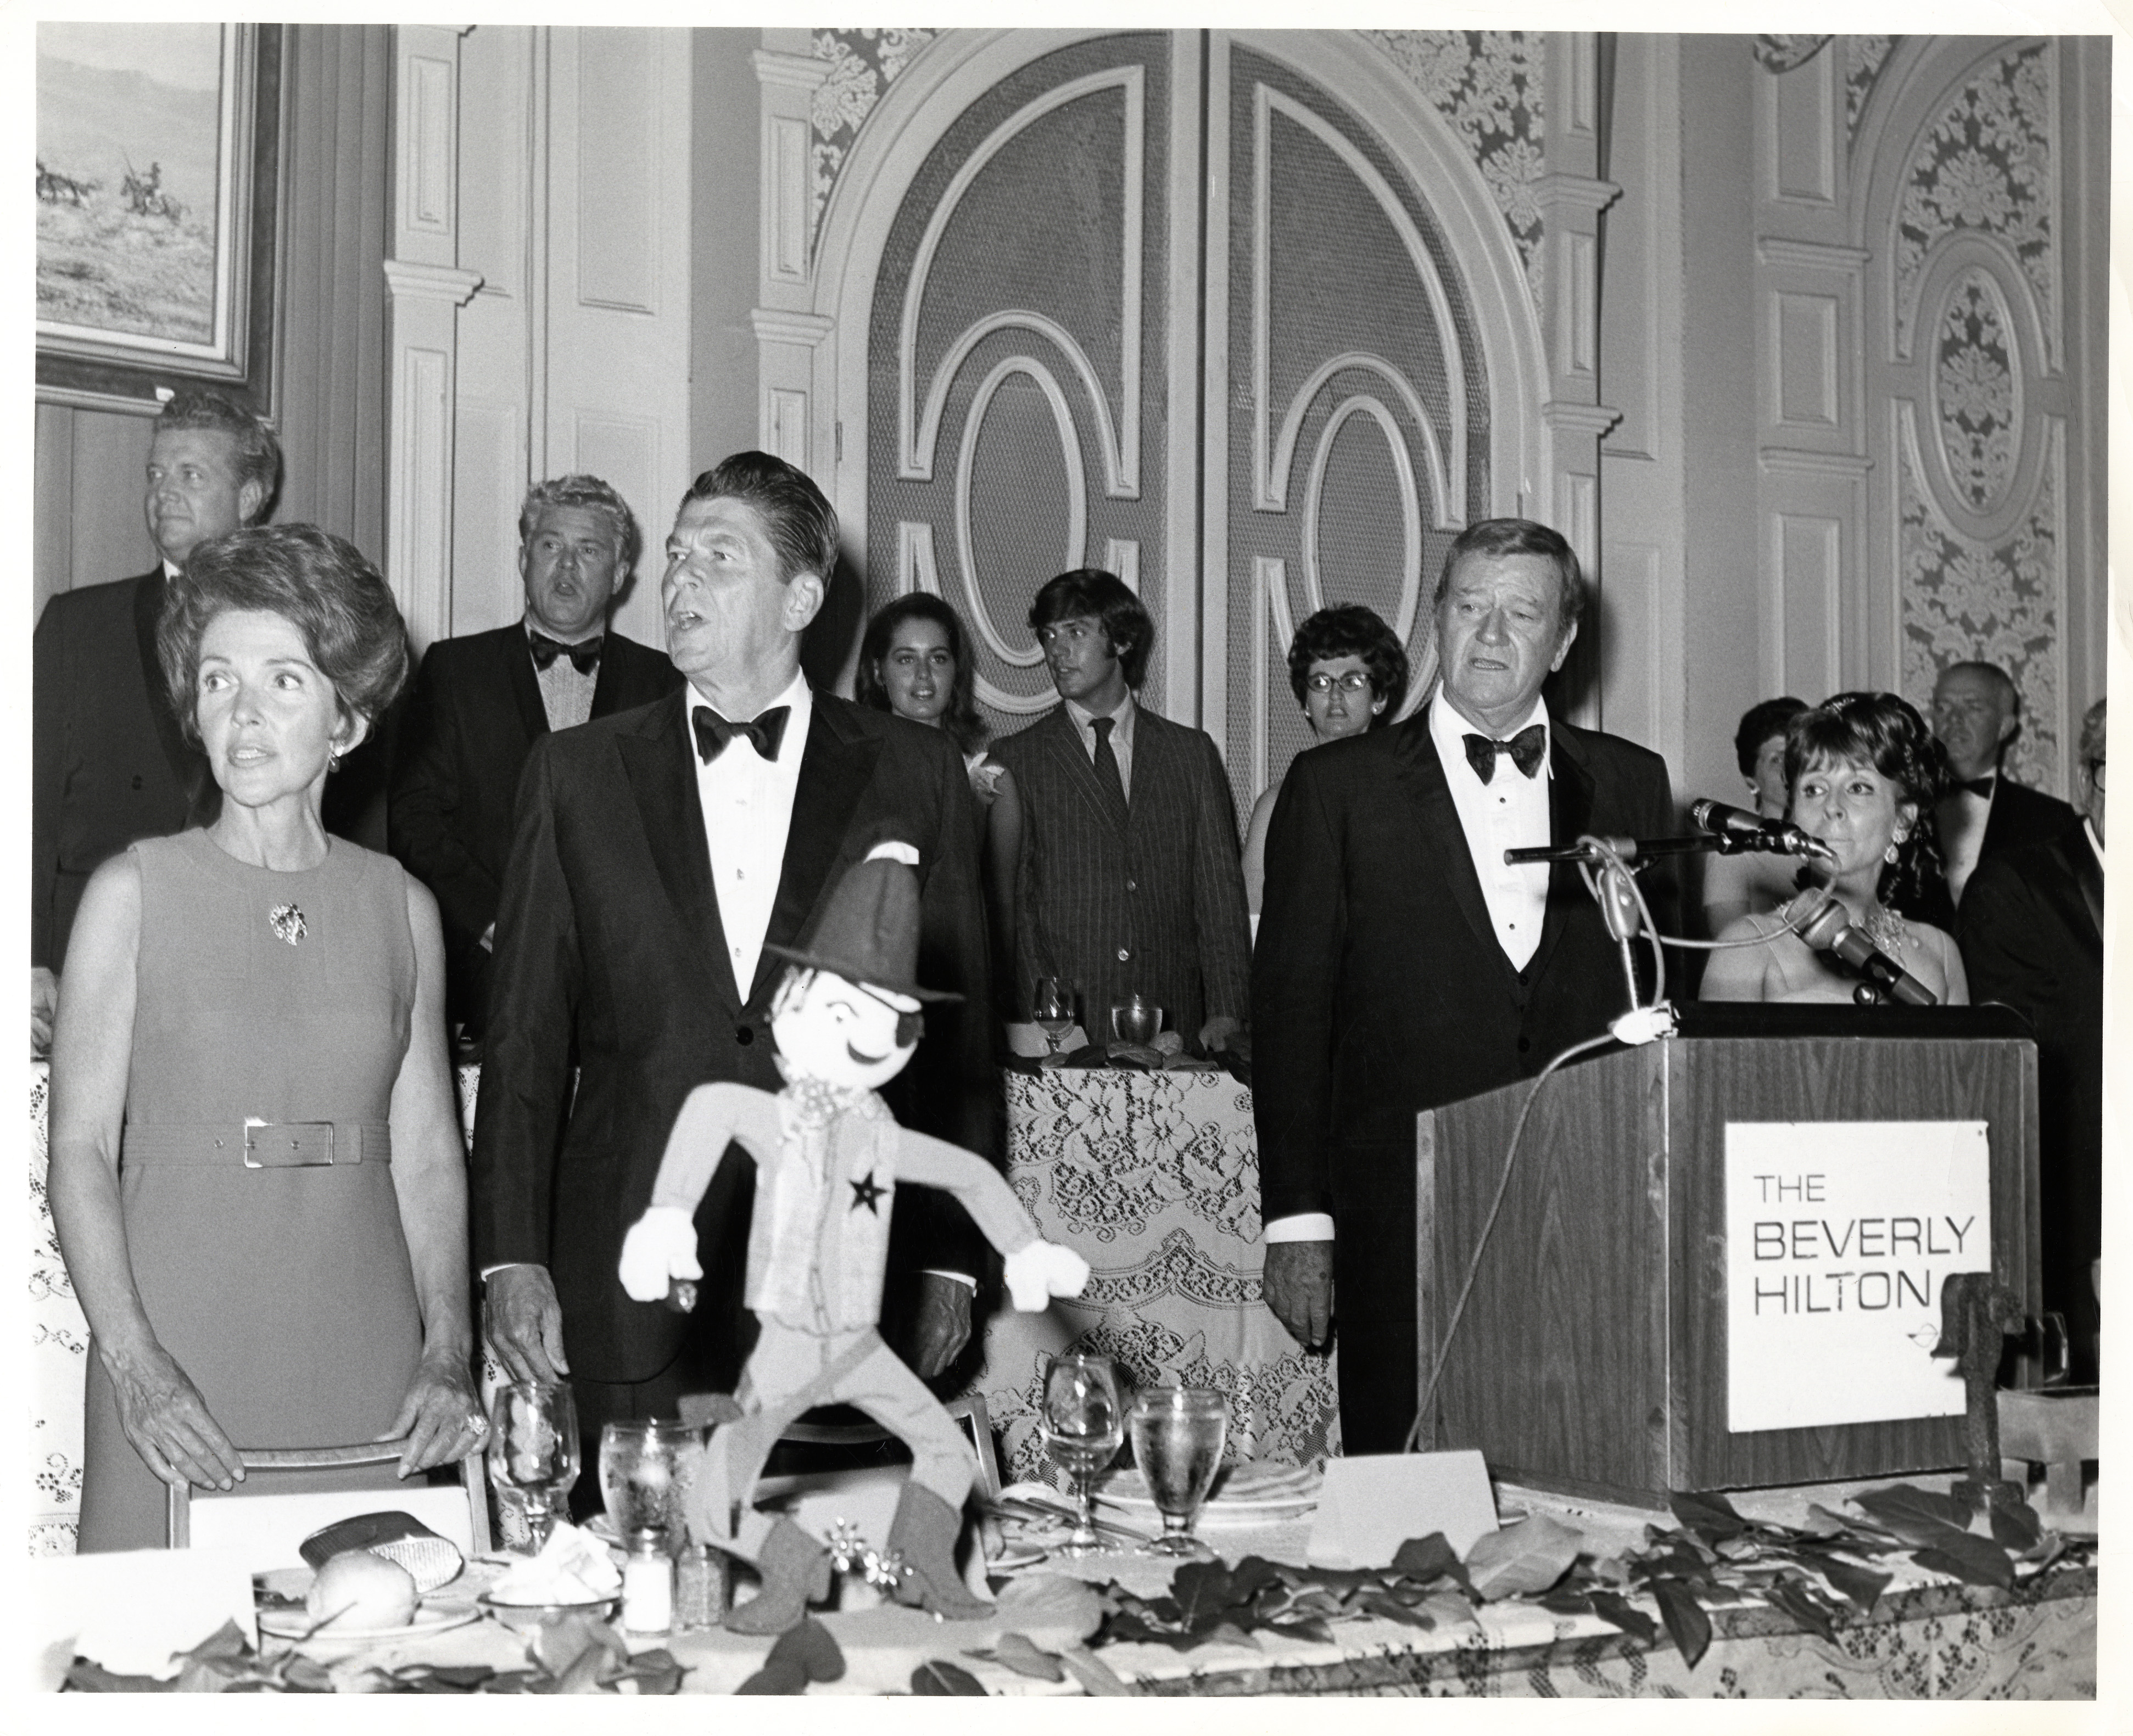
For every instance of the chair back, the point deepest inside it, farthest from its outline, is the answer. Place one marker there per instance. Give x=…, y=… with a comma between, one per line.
x=269, y=1526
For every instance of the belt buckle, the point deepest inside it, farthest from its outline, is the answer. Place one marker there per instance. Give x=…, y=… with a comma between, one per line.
x=288, y=1145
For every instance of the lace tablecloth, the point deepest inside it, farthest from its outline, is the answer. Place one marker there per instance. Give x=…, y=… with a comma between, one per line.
x=1154, y=1178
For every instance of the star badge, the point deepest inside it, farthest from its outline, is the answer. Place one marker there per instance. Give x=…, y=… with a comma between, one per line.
x=866, y=1192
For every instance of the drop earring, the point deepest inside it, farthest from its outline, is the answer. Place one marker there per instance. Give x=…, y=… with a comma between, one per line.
x=1889, y=855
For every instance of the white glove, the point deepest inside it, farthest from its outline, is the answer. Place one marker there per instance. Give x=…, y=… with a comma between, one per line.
x=661, y=1245
x=1037, y=1273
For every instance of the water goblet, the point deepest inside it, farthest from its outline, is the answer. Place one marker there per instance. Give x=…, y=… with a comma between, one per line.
x=645, y=1467
x=1083, y=1420
x=1052, y=1005
x=1178, y=1434
x=533, y=1449
x=1136, y=1020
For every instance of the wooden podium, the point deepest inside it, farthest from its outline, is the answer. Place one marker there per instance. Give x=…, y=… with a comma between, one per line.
x=1592, y=1355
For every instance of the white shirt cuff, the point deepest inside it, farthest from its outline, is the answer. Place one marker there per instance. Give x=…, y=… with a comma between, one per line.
x=487, y=1271
x=1296, y=1227
x=961, y=1278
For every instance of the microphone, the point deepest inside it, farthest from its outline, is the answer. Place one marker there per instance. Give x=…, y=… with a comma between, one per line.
x=1738, y=830
x=1828, y=927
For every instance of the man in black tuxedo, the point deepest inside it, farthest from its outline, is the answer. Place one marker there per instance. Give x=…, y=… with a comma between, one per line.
x=2031, y=929
x=110, y=765
x=1401, y=965
x=1977, y=714
x=482, y=701
x=657, y=855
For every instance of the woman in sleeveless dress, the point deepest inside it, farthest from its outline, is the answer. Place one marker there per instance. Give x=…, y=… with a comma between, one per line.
x=255, y=1167
x=915, y=662
x=1864, y=772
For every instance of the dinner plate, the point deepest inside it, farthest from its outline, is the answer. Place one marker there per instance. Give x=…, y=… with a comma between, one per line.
x=1248, y=1494
x=296, y=1624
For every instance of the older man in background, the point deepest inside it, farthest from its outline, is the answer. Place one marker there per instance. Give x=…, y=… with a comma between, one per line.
x=2031, y=930
x=1402, y=965
x=1977, y=714
x=481, y=701
x=110, y=764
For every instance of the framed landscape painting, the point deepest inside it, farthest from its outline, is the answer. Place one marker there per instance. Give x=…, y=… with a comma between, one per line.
x=158, y=147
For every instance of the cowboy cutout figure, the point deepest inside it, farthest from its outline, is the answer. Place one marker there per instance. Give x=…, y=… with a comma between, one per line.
x=828, y=1157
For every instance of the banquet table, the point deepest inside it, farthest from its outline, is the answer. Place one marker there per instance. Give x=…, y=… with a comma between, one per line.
x=1152, y=1177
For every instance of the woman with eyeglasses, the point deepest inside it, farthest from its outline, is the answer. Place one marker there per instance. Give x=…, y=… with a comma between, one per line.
x=1350, y=674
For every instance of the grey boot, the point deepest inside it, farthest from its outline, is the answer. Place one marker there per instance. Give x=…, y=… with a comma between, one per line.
x=796, y=1572
x=924, y=1533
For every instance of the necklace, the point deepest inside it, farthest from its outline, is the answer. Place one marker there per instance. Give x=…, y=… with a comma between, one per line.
x=1887, y=930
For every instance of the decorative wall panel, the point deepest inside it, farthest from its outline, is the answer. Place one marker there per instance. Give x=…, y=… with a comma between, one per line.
x=862, y=64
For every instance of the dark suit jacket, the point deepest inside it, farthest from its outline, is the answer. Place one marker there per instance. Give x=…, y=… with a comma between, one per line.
x=1379, y=989
x=475, y=714
x=609, y=954
x=1166, y=891
x=2031, y=930
x=2019, y=817
x=110, y=765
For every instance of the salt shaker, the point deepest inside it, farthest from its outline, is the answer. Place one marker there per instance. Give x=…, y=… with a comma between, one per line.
x=648, y=1585
x=700, y=1588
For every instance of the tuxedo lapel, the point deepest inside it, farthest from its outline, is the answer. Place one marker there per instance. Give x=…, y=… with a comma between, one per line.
x=2087, y=875
x=839, y=760
x=608, y=685
x=659, y=762
x=1569, y=817
x=1421, y=777
x=517, y=661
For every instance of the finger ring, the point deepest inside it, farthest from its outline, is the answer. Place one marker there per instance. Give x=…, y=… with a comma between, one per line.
x=477, y=1424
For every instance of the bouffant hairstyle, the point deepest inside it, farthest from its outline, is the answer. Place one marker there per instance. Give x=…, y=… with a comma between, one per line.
x=966, y=727
x=1349, y=630
x=259, y=453
x=1089, y=590
x=803, y=525
x=1885, y=732
x=1759, y=723
x=593, y=495
x=1518, y=536
x=320, y=584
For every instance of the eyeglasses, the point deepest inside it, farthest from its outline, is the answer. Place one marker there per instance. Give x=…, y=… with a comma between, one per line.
x=1356, y=681
x=2095, y=771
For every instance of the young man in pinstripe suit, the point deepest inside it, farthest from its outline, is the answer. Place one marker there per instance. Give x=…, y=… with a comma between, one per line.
x=1129, y=882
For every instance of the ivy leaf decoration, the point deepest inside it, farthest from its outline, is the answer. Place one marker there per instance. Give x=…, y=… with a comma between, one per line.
x=1428, y=1558
x=1975, y=1560
x=1792, y=1595
x=1707, y=1513
x=1521, y=1559
x=1610, y=1606
x=1201, y=1590
x=2018, y=1527
x=1684, y=1617
x=1023, y=1655
x=1860, y=1586
x=937, y=1675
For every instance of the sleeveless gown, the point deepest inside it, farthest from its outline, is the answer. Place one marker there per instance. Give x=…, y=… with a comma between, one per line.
x=285, y=1292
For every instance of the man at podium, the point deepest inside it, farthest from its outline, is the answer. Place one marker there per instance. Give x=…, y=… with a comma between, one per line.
x=1401, y=964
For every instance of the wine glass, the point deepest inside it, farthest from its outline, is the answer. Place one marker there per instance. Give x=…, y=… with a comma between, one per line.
x=645, y=1467
x=533, y=1449
x=1083, y=1420
x=1052, y=1007
x=1178, y=1434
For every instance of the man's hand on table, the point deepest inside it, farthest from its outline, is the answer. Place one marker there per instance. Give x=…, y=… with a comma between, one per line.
x=44, y=1009
x=943, y=1326
x=1218, y=1033
x=524, y=1323
x=1298, y=1284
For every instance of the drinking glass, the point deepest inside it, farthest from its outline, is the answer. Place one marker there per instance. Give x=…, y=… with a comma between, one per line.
x=645, y=1465
x=1178, y=1434
x=533, y=1449
x=1136, y=1020
x=1052, y=1007
x=1083, y=1421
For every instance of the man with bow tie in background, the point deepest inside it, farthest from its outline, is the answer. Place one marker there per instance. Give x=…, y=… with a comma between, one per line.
x=1977, y=714
x=481, y=701
x=1401, y=964
x=657, y=856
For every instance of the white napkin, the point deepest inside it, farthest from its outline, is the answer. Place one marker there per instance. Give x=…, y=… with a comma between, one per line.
x=1028, y=1040
x=573, y=1567
x=131, y=1610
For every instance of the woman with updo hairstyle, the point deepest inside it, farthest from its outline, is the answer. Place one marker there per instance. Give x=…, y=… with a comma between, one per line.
x=1864, y=773
x=256, y=1168
x=1349, y=673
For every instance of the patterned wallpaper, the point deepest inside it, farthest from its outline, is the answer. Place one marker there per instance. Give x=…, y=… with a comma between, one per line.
x=862, y=64
x=1863, y=56
x=1985, y=165
x=1488, y=85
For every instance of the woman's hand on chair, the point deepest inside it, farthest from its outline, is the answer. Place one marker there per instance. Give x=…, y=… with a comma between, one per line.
x=440, y=1415
x=168, y=1421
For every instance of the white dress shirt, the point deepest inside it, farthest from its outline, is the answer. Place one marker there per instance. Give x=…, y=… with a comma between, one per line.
x=2095, y=840
x=1122, y=736
x=567, y=697
x=1508, y=812
x=748, y=810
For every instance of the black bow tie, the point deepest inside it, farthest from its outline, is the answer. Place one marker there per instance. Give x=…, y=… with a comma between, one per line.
x=714, y=732
x=1525, y=749
x=584, y=655
x=1977, y=786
